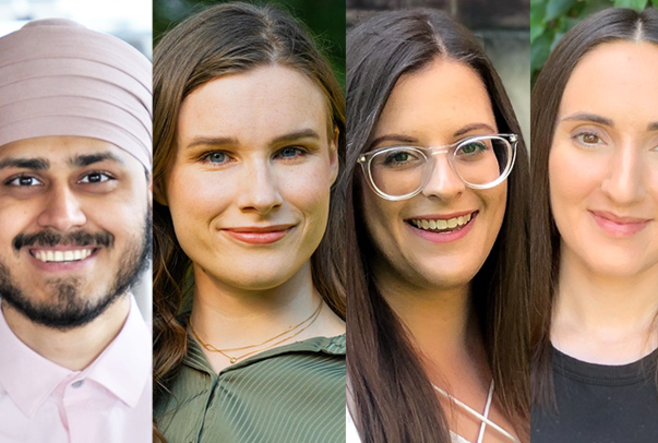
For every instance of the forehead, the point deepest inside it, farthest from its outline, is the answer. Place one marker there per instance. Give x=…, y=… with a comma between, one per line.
x=615, y=79
x=253, y=106
x=444, y=95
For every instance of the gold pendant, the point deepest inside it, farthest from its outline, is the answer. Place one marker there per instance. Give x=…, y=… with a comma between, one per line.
x=233, y=360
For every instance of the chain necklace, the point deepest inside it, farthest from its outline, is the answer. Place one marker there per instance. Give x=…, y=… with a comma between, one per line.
x=287, y=335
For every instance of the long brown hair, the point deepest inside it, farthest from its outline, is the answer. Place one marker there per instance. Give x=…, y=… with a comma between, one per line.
x=605, y=26
x=393, y=398
x=226, y=39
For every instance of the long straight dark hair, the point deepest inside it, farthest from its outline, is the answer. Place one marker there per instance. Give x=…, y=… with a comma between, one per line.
x=392, y=396
x=227, y=39
x=606, y=26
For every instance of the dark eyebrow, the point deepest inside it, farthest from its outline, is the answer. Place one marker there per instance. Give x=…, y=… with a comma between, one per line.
x=653, y=126
x=37, y=164
x=583, y=116
x=393, y=138
x=468, y=128
x=79, y=161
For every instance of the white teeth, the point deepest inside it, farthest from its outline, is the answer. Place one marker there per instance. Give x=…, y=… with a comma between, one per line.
x=62, y=256
x=441, y=224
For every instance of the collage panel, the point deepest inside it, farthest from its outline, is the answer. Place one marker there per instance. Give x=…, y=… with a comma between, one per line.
x=594, y=238
x=249, y=298
x=436, y=217
x=75, y=222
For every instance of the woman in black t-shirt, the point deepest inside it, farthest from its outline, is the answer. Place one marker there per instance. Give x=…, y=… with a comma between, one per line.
x=595, y=233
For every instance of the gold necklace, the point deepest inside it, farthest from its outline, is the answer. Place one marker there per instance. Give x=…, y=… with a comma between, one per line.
x=224, y=352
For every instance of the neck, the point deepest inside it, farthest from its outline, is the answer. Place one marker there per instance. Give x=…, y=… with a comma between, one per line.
x=74, y=349
x=609, y=312
x=231, y=317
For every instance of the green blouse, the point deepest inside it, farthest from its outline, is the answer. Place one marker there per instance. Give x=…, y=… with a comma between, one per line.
x=290, y=394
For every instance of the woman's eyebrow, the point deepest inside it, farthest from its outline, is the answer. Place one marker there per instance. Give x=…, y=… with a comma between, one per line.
x=472, y=127
x=653, y=126
x=295, y=135
x=211, y=141
x=594, y=118
x=393, y=138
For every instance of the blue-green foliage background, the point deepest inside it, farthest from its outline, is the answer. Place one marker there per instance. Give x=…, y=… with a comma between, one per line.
x=551, y=19
x=324, y=18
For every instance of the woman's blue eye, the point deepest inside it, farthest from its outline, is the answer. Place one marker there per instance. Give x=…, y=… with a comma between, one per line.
x=216, y=157
x=290, y=152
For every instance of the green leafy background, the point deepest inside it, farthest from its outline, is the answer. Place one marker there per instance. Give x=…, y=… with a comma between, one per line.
x=551, y=19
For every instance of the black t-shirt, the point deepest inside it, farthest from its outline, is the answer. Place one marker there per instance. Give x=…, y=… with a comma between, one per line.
x=599, y=403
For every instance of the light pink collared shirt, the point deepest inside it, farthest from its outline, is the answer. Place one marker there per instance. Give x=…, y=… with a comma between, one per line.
x=108, y=402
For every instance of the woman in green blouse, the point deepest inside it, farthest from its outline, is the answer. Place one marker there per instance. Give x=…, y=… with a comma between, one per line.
x=249, y=139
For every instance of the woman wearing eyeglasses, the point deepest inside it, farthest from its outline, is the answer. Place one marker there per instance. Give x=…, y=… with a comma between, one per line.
x=595, y=233
x=436, y=238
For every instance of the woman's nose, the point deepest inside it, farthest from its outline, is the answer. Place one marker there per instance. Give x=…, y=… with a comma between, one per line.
x=259, y=190
x=443, y=183
x=625, y=181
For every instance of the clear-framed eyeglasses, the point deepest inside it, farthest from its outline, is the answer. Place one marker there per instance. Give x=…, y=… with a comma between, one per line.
x=401, y=172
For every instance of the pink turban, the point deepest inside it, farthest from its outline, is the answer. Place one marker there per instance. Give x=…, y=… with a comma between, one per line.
x=60, y=78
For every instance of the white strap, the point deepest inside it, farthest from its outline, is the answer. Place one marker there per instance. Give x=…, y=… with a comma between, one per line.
x=483, y=426
x=476, y=414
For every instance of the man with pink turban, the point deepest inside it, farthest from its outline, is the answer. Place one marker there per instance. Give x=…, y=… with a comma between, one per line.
x=75, y=234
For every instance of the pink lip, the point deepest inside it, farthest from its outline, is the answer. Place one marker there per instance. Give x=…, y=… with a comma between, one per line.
x=259, y=235
x=437, y=237
x=617, y=226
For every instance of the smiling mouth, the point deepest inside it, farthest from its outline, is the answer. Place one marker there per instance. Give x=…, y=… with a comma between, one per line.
x=57, y=256
x=442, y=225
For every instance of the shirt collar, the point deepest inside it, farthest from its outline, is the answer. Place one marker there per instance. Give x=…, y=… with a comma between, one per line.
x=27, y=377
x=123, y=367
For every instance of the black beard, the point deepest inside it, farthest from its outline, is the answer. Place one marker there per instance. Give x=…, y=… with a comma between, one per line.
x=72, y=309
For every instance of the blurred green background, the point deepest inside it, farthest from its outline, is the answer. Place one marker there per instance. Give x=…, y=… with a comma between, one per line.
x=551, y=19
x=324, y=18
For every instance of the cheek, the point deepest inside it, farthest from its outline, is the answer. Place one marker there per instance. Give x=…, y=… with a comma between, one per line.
x=571, y=180
x=195, y=198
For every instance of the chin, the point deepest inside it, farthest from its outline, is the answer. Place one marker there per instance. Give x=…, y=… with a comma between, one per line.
x=261, y=280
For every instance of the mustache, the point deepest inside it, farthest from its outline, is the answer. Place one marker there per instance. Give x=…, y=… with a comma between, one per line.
x=51, y=239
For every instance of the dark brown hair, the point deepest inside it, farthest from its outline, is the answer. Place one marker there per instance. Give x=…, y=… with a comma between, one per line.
x=606, y=26
x=226, y=39
x=393, y=398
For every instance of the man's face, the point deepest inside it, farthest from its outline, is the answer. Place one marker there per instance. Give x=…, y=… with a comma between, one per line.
x=75, y=230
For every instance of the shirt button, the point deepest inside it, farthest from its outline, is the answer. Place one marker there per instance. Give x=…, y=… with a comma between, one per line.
x=77, y=384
